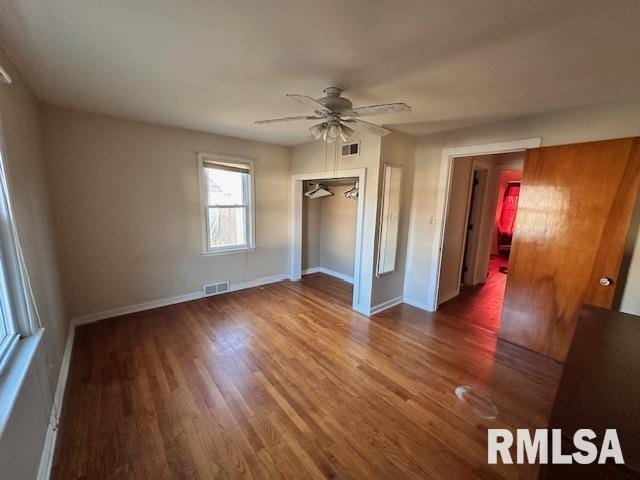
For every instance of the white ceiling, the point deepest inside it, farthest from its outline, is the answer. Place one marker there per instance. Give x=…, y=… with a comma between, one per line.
x=220, y=65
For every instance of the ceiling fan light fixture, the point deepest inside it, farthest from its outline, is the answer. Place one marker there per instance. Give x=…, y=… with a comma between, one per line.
x=345, y=132
x=325, y=134
x=334, y=130
x=317, y=131
x=4, y=76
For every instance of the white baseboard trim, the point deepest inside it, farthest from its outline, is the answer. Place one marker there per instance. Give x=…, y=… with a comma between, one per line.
x=258, y=282
x=417, y=304
x=332, y=273
x=163, y=302
x=362, y=310
x=46, y=459
x=341, y=276
x=116, y=312
x=448, y=296
x=309, y=270
x=385, y=305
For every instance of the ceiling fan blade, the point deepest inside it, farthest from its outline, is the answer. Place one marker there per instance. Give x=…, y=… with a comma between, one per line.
x=287, y=119
x=377, y=109
x=310, y=102
x=369, y=127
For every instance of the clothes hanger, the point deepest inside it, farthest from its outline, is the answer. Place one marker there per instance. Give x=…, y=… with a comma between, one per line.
x=353, y=193
x=319, y=191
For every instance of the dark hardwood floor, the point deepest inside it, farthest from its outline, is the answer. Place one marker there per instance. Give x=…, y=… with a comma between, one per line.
x=286, y=381
x=481, y=305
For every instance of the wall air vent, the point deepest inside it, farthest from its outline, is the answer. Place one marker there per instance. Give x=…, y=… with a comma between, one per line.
x=215, y=288
x=350, y=149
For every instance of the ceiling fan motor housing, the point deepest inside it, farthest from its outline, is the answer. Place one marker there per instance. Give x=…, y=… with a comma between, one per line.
x=333, y=101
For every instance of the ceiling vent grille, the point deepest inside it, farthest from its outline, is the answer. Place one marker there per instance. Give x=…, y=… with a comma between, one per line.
x=350, y=149
x=215, y=288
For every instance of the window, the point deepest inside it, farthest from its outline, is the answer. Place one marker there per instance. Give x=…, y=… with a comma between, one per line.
x=20, y=329
x=227, y=197
x=8, y=334
x=15, y=311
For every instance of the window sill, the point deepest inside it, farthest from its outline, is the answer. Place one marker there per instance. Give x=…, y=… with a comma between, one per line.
x=228, y=251
x=12, y=378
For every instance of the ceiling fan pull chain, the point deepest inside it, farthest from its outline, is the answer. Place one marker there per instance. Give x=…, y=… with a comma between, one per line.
x=325, y=155
x=335, y=158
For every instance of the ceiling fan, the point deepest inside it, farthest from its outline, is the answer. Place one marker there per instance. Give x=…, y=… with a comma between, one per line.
x=338, y=116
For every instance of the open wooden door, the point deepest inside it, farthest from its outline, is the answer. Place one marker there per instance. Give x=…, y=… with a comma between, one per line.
x=575, y=206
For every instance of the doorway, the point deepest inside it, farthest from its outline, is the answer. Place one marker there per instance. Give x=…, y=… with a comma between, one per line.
x=479, y=227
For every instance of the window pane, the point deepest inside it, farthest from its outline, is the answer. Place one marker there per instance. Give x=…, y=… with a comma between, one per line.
x=5, y=340
x=3, y=328
x=223, y=187
x=227, y=227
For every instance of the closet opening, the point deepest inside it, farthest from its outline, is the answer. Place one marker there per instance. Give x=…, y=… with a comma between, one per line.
x=327, y=220
x=479, y=228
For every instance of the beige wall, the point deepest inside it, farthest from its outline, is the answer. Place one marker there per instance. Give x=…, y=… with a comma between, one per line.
x=127, y=207
x=615, y=120
x=22, y=441
x=338, y=216
x=310, y=232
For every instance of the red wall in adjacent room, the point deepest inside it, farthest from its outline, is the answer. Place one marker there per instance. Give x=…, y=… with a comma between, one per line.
x=506, y=176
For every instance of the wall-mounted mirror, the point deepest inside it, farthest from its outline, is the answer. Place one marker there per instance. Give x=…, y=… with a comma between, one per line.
x=389, y=219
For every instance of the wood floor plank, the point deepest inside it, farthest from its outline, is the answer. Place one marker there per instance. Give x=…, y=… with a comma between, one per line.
x=286, y=381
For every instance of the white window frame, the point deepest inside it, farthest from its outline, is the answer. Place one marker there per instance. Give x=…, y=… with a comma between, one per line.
x=19, y=313
x=14, y=303
x=9, y=341
x=204, y=157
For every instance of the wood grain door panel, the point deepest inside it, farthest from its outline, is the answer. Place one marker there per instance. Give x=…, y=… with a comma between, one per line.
x=575, y=206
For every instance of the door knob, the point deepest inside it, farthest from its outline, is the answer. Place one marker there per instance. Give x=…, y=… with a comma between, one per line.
x=606, y=282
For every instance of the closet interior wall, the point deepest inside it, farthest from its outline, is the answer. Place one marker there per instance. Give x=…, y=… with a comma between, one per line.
x=329, y=230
